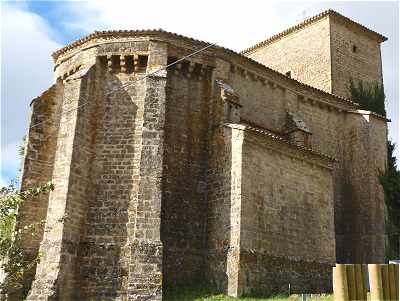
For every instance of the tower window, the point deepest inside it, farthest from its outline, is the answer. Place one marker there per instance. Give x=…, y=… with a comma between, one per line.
x=355, y=48
x=288, y=74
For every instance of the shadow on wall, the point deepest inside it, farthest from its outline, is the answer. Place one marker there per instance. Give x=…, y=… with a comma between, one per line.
x=103, y=251
x=184, y=203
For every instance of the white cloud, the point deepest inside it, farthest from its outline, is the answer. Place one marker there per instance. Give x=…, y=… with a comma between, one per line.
x=26, y=71
x=232, y=24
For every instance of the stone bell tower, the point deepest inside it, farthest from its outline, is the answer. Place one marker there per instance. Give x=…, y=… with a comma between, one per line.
x=325, y=52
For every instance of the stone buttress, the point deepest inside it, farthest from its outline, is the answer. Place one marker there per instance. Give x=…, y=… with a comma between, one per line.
x=102, y=231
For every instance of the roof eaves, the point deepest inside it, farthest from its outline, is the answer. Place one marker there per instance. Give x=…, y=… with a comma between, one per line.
x=113, y=33
x=267, y=133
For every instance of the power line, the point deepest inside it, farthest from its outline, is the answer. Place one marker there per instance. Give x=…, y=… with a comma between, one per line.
x=131, y=83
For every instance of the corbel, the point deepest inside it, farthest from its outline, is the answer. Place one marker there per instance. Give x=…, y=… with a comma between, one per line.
x=122, y=63
x=135, y=62
x=178, y=68
x=109, y=63
x=262, y=80
x=191, y=68
x=271, y=84
x=203, y=72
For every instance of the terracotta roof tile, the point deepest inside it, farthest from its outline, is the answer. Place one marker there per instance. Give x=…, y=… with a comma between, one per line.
x=280, y=138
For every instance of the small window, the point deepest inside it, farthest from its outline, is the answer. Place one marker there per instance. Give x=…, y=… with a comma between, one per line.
x=355, y=48
x=288, y=74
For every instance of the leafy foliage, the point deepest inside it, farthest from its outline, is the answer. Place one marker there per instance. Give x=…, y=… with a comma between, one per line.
x=14, y=261
x=371, y=98
x=390, y=181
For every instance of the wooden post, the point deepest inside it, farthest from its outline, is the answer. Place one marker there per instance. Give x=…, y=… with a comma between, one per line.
x=385, y=281
x=351, y=281
x=396, y=274
x=392, y=282
x=340, y=290
x=360, y=282
x=375, y=282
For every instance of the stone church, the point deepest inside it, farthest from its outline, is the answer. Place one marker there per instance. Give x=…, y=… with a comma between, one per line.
x=252, y=171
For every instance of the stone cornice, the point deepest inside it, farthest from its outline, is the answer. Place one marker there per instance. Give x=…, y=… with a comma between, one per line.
x=216, y=51
x=309, y=21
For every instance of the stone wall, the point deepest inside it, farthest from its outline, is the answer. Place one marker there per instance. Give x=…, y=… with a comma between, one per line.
x=325, y=54
x=364, y=214
x=102, y=232
x=305, y=53
x=146, y=257
x=287, y=219
x=56, y=274
x=112, y=192
x=184, y=206
x=360, y=63
x=40, y=146
x=265, y=103
x=224, y=210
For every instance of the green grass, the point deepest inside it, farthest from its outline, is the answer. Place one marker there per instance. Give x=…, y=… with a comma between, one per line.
x=204, y=293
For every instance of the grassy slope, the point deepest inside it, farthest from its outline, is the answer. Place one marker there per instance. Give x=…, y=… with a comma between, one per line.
x=199, y=293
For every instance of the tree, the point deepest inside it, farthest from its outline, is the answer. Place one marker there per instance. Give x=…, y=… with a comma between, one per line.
x=12, y=258
x=371, y=98
x=390, y=181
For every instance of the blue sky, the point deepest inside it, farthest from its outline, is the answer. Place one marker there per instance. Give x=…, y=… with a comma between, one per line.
x=32, y=30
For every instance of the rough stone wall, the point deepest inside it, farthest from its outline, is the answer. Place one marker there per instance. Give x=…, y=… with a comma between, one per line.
x=113, y=184
x=365, y=206
x=305, y=53
x=102, y=237
x=322, y=55
x=56, y=275
x=184, y=206
x=287, y=219
x=145, y=266
x=265, y=103
x=362, y=64
x=224, y=210
x=223, y=192
x=219, y=206
x=37, y=170
x=328, y=129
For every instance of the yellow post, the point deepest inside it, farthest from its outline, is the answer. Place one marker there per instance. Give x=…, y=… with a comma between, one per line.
x=385, y=281
x=340, y=290
x=396, y=274
x=392, y=282
x=360, y=282
x=351, y=281
x=375, y=282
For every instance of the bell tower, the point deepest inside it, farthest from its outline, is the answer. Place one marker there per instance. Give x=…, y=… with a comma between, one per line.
x=325, y=52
